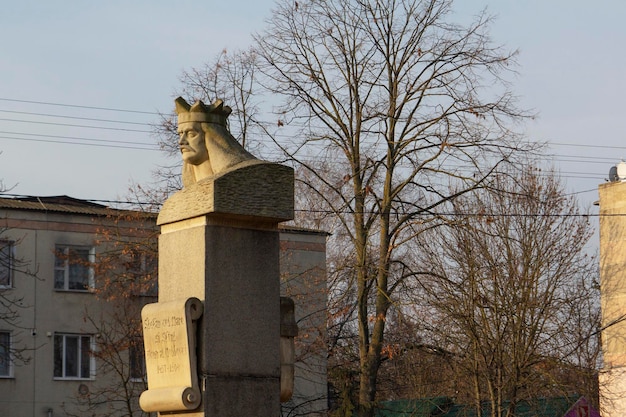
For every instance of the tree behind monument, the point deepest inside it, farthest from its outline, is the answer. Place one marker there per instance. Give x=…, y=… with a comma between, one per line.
x=412, y=107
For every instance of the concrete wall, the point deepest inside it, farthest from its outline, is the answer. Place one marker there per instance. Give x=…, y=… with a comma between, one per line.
x=303, y=278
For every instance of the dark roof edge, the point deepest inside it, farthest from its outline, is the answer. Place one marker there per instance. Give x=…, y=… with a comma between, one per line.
x=63, y=204
x=61, y=199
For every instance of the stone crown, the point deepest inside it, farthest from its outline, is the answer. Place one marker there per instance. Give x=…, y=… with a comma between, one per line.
x=200, y=112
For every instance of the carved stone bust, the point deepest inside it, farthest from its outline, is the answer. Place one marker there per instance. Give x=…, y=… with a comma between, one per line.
x=221, y=178
x=206, y=145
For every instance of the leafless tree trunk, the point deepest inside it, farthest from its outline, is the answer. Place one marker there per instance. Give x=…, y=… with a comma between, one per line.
x=395, y=95
x=512, y=276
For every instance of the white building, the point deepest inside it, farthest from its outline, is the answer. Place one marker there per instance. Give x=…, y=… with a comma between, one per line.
x=53, y=336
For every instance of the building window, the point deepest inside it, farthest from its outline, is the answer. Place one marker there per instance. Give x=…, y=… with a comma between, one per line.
x=142, y=268
x=5, y=354
x=72, y=356
x=137, y=361
x=73, y=268
x=6, y=263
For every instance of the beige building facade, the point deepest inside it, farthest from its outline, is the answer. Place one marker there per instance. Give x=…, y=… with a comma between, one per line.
x=613, y=298
x=50, y=353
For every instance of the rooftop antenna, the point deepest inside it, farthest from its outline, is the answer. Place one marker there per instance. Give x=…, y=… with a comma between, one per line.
x=617, y=173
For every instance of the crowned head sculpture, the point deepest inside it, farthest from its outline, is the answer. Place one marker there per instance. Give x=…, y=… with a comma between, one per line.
x=200, y=112
x=206, y=145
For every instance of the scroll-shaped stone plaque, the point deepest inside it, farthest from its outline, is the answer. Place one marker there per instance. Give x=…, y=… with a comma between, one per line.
x=170, y=349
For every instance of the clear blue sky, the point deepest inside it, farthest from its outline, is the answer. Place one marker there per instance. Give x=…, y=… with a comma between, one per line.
x=129, y=54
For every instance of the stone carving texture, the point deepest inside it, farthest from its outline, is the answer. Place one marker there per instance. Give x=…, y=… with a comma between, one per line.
x=206, y=145
x=222, y=178
x=169, y=339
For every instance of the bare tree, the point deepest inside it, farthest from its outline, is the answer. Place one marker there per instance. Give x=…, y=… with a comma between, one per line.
x=127, y=280
x=514, y=294
x=407, y=104
x=230, y=76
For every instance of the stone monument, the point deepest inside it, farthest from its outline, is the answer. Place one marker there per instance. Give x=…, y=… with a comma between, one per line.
x=213, y=339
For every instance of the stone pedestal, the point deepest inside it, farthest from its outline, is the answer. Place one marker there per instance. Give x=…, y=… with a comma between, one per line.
x=219, y=242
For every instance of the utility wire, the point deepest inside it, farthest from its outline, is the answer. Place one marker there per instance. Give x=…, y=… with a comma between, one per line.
x=553, y=157
x=449, y=214
x=158, y=114
x=79, y=143
x=144, y=146
x=77, y=106
x=558, y=158
x=114, y=144
x=586, y=146
x=81, y=126
x=124, y=142
x=18, y=196
x=75, y=117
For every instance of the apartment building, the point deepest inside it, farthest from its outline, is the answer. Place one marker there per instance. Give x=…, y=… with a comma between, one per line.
x=63, y=350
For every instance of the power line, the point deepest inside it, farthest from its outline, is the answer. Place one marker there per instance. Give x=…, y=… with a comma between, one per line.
x=81, y=126
x=449, y=214
x=103, y=145
x=107, y=143
x=582, y=192
x=112, y=144
x=586, y=146
x=583, y=157
x=74, y=117
x=125, y=142
x=158, y=114
x=69, y=140
x=78, y=106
